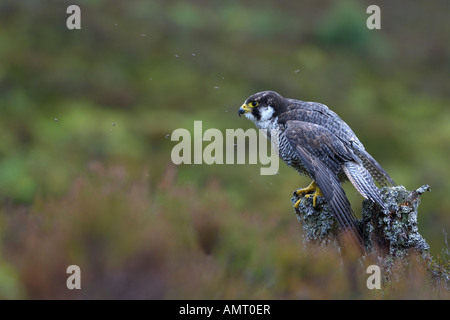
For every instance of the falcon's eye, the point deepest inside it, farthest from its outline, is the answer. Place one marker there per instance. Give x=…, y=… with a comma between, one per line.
x=254, y=104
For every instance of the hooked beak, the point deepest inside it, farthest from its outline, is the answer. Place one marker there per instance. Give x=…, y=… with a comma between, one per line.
x=244, y=109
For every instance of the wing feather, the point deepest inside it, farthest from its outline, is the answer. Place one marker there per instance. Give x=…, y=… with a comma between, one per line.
x=323, y=154
x=320, y=114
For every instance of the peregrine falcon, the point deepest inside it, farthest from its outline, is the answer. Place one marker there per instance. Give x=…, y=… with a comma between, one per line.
x=318, y=143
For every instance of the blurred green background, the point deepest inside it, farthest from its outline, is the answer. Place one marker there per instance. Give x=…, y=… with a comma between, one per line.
x=86, y=115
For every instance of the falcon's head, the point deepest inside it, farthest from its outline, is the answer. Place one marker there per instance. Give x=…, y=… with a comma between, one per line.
x=263, y=107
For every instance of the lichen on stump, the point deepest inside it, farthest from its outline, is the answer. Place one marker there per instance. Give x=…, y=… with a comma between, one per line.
x=391, y=236
x=393, y=231
x=318, y=222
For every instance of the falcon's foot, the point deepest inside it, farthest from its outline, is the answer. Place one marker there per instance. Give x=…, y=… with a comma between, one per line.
x=311, y=190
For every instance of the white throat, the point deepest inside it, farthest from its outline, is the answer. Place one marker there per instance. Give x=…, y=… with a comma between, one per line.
x=266, y=121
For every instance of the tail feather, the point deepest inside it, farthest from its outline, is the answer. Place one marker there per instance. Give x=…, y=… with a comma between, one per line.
x=361, y=178
x=376, y=171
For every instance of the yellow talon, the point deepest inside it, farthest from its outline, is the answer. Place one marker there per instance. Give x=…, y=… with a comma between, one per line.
x=311, y=188
x=316, y=193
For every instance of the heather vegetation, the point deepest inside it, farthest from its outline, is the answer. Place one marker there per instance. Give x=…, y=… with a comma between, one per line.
x=86, y=117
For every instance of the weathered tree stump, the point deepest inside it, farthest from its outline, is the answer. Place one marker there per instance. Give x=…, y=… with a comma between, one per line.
x=393, y=231
x=389, y=235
